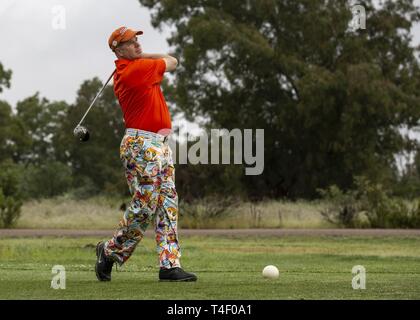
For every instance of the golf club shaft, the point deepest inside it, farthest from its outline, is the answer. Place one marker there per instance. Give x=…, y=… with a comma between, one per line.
x=97, y=96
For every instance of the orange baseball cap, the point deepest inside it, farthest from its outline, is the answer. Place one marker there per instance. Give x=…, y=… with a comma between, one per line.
x=120, y=35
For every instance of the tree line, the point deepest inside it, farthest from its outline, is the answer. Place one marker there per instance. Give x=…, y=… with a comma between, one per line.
x=331, y=100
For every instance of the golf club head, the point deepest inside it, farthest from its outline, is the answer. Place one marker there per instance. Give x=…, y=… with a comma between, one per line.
x=82, y=133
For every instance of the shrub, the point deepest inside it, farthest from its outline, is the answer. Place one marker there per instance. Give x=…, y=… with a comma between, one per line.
x=9, y=210
x=342, y=208
x=369, y=200
x=46, y=180
x=10, y=195
x=85, y=188
x=393, y=213
x=383, y=211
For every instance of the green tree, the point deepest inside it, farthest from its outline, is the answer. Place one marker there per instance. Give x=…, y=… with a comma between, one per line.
x=6, y=118
x=196, y=181
x=97, y=160
x=46, y=180
x=14, y=140
x=5, y=76
x=9, y=131
x=27, y=154
x=331, y=99
x=40, y=120
x=10, y=195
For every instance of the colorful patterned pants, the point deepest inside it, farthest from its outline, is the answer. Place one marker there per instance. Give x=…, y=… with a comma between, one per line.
x=150, y=174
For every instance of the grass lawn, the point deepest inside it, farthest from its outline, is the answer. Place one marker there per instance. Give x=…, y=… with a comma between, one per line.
x=227, y=267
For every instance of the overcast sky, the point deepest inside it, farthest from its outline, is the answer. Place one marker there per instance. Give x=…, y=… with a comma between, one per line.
x=55, y=61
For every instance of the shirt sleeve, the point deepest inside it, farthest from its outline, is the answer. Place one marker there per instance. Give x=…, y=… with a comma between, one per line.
x=152, y=70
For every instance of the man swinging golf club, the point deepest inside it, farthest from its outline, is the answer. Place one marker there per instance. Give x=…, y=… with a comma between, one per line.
x=147, y=159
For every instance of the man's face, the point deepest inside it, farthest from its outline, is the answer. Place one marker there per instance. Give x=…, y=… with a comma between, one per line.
x=130, y=49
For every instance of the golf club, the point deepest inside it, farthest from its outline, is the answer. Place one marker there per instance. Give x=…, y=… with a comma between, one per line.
x=80, y=131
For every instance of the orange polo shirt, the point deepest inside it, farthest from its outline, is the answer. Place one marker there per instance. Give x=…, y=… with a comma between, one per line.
x=137, y=87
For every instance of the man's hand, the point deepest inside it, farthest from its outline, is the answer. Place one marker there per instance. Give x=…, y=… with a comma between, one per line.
x=171, y=62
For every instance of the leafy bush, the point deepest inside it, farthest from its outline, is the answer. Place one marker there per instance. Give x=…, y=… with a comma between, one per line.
x=383, y=211
x=368, y=205
x=46, y=180
x=409, y=218
x=9, y=210
x=393, y=213
x=342, y=208
x=10, y=195
x=85, y=188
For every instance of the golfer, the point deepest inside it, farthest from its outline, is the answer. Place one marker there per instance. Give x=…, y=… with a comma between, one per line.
x=147, y=159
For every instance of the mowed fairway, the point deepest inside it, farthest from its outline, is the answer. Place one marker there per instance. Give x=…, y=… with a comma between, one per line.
x=227, y=267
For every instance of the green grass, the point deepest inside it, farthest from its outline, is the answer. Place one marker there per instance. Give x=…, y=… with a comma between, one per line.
x=227, y=267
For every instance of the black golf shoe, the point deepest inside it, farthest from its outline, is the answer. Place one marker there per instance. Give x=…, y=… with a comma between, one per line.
x=176, y=274
x=103, y=266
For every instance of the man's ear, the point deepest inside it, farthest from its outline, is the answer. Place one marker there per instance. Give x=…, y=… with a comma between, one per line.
x=117, y=52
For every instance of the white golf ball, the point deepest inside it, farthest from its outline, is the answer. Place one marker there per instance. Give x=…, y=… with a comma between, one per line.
x=270, y=272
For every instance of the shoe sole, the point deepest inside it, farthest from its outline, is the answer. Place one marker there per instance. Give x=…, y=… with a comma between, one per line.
x=96, y=264
x=179, y=280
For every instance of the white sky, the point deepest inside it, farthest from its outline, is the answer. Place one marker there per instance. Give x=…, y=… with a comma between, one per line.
x=55, y=62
